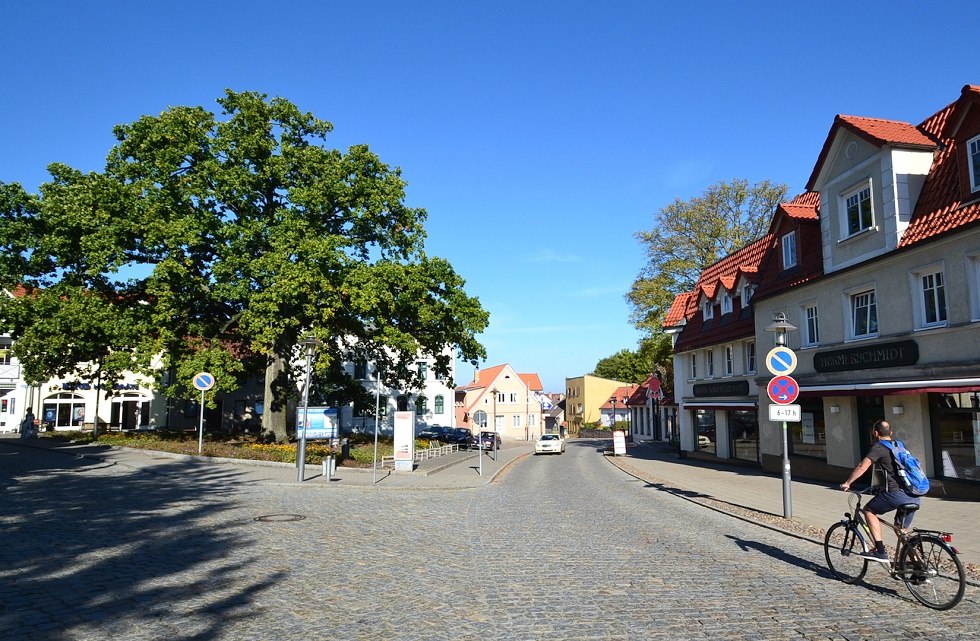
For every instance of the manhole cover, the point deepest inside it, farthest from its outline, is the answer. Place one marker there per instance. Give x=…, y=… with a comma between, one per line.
x=279, y=518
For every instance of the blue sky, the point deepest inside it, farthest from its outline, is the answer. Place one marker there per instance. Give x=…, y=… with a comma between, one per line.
x=539, y=136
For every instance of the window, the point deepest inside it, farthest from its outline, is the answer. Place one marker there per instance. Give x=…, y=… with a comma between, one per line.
x=516, y=420
x=423, y=370
x=5, y=351
x=747, y=293
x=421, y=405
x=440, y=404
x=864, y=314
x=973, y=152
x=360, y=370
x=729, y=360
x=710, y=361
x=750, y=357
x=788, y=243
x=513, y=397
x=694, y=367
x=859, y=215
x=811, y=331
x=708, y=310
x=973, y=283
x=933, y=298
x=726, y=303
x=501, y=397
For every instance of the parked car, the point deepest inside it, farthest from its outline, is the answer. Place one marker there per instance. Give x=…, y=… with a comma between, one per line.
x=433, y=432
x=457, y=436
x=549, y=444
x=485, y=441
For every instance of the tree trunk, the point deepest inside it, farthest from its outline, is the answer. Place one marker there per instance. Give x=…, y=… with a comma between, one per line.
x=275, y=399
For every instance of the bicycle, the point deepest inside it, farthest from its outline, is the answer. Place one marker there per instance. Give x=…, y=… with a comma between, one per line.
x=925, y=560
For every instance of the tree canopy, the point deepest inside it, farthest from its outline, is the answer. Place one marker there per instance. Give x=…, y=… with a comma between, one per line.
x=688, y=236
x=216, y=242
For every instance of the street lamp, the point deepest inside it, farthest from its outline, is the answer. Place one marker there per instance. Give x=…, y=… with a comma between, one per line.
x=612, y=421
x=495, y=391
x=779, y=327
x=309, y=344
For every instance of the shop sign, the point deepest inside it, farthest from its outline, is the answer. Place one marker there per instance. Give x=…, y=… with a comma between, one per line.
x=722, y=388
x=897, y=354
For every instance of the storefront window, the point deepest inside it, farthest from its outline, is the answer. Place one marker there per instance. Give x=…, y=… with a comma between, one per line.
x=743, y=426
x=64, y=410
x=808, y=437
x=957, y=417
x=704, y=422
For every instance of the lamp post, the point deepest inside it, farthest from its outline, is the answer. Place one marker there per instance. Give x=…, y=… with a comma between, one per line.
x=309, y=344
x=779, y=327
x=495, y=391
x=612, y=421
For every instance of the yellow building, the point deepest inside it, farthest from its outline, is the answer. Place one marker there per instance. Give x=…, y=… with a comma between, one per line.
x=584, y=398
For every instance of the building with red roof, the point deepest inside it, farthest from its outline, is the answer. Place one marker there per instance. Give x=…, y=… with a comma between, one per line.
x=877, y=267
x=514, y=400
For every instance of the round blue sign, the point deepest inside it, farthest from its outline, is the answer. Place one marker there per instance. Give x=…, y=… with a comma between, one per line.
x=203, y=381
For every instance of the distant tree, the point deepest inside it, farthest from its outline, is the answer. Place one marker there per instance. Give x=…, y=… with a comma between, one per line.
x=625, y=366
x=217, y=242
x=688, y=236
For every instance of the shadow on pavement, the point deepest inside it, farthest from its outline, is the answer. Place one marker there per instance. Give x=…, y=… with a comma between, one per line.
x=91, y=545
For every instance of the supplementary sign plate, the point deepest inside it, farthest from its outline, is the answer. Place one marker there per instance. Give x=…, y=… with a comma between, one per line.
x=785, y=413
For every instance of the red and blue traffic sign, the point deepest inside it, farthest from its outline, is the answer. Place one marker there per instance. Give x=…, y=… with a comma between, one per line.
x=203, y=381
x=783, y=390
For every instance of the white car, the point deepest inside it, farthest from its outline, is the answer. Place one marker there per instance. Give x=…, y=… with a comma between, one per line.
x=549, y=444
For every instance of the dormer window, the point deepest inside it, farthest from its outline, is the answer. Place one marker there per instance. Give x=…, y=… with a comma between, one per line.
x=708, y=310
x=973, y=151
x=726, y=303
x=788, y=243
x=747, y=292
x=859, y=214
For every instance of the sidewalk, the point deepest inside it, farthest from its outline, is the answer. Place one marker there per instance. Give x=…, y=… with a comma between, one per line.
x=815, y=505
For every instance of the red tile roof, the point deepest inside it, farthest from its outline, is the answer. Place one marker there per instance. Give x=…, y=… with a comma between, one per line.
x=876, y=131
x=940, y=207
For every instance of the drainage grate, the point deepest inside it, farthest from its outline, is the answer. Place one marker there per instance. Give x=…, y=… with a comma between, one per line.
x=279, y=518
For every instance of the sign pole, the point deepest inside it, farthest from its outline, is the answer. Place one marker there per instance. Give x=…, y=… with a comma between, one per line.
x=781, y=362
x=200, y=427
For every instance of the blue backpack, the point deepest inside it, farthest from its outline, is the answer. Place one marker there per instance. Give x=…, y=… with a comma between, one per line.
x=910, y=474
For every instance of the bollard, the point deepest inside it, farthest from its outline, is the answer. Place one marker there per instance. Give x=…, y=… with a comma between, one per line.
x=329, y=467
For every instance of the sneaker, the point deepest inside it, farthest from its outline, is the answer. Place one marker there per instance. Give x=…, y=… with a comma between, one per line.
x=874, y=555
x=918, y=579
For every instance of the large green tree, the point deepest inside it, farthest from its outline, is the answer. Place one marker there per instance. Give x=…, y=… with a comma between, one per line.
x=688, y=236
x=217, y=242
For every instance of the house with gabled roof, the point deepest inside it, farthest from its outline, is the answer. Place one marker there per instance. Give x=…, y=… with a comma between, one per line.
x=511, y=398
x=713, y=333
x=888, y=323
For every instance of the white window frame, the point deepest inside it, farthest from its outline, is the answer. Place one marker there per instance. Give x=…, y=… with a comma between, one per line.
x=855, y=194
x=516, y=420
x=513, y=397
x=973, y=156
x=855, y=296
x=729, y=360
x=708, y=310
x=709, y=359
x=929, y=282
x=747, y=293
x=788, y=243
x=726, y=303
x=750, y=357
x=694, y=367
x=973, y=283
x=811, y=325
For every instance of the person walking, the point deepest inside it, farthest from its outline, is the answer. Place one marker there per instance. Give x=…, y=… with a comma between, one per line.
x=27, y=425
x=890, y=495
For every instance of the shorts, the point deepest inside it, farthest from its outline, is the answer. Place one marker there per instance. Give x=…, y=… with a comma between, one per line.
x=887, y=501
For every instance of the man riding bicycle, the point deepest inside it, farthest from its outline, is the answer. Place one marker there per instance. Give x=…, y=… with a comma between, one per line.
x=890, y=496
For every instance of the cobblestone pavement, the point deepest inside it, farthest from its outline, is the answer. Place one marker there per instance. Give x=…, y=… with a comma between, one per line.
x=562, y=547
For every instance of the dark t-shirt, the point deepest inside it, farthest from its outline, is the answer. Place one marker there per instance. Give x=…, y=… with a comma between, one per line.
x=881, y=456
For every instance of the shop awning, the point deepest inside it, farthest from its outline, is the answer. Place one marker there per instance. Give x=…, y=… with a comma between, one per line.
x=943, y=386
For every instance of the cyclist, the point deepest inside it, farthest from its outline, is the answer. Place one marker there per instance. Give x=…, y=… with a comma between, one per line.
x=890, y=495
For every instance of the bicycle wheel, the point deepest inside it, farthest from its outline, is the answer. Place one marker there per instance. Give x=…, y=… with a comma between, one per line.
x=842, y=547
x=932, y=571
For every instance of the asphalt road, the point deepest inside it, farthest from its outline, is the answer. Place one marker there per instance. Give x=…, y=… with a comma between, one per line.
x=561, y=548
